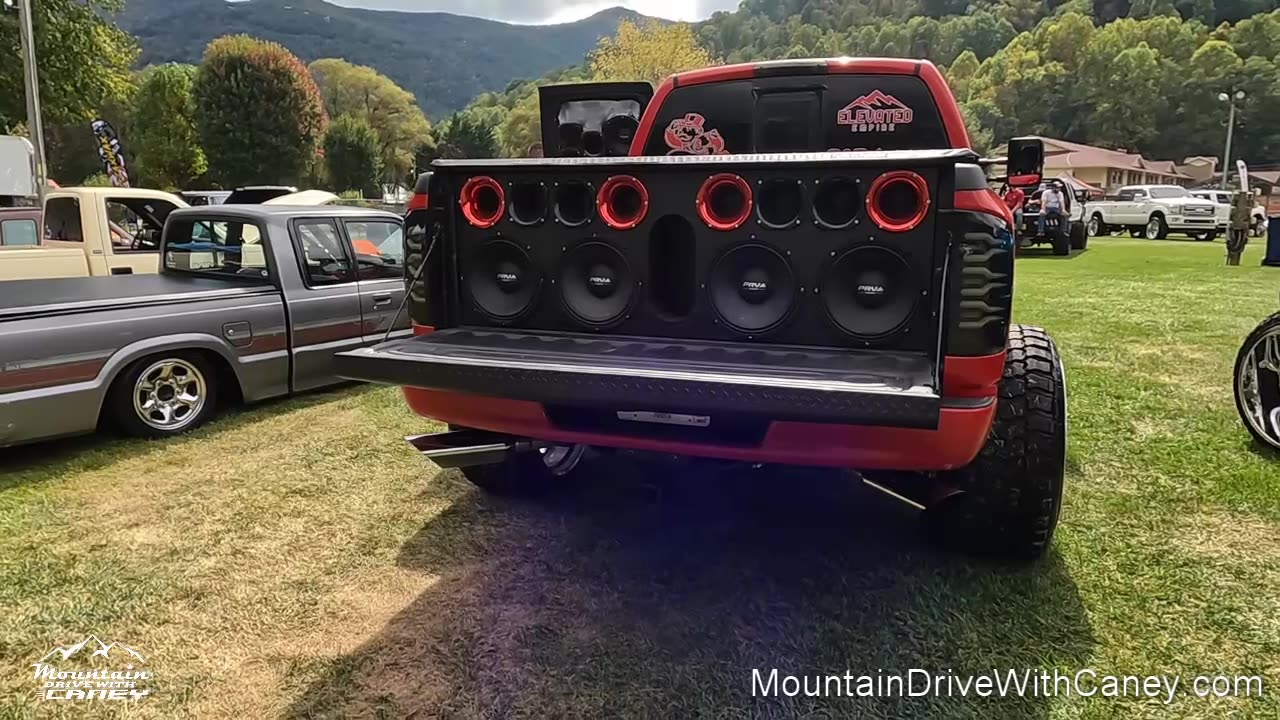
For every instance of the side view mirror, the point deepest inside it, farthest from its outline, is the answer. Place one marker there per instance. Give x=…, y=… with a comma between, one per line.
x=1026, y=162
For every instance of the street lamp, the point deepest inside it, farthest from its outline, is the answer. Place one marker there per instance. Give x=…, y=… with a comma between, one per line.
x=1230, y=99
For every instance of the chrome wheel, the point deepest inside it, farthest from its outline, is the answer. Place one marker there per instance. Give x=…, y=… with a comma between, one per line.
x=1095, y=227
x=1153, y=229
x=1257, y=378
x=169, y=395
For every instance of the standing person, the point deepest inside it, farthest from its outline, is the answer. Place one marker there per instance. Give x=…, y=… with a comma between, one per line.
x=1238, y=233
x=1051, y=203
x=1014, y=199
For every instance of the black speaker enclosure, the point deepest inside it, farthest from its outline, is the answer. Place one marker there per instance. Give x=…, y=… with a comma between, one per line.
x=671, y=253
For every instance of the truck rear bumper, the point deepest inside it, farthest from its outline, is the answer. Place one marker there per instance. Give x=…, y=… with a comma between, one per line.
x=734, y=402
x=959, y=436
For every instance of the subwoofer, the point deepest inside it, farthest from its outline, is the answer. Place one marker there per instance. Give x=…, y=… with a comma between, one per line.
x=596, y=284
x=504, y=283
x=752, y=288
x=618, y=131
x=869, y=292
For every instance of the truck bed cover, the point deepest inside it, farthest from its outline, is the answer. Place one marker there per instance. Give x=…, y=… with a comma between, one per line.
x=36, y=298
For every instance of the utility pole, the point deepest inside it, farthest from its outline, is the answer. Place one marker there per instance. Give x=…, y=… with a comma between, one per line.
x=35, y=126
x=1231, y=126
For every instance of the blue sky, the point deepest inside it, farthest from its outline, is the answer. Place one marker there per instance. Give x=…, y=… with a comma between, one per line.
x=549, y=11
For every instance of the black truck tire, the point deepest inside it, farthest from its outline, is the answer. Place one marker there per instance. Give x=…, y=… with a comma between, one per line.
x=1156, y=227
x=185, y=382
x=1206, y=236
x=1096, y=226
x=1061, y=239
x=1079, y=238
x=1011, y=494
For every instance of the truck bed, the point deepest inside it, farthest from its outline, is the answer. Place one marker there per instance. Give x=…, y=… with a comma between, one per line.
x=20, y=299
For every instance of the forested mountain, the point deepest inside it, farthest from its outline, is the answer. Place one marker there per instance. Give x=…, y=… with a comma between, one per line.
x=1142, y=75
x=444, y=60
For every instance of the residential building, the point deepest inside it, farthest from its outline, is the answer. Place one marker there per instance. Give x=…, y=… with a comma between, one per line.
x=1107, y=169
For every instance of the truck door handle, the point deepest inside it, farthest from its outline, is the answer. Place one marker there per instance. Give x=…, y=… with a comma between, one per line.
x=381, y=301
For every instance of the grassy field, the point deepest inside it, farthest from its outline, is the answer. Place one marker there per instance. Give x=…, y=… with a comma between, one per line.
x=298, y=560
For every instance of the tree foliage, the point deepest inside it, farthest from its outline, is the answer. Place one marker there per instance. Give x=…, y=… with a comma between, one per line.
x=163, y=142
x=469, y=134
x=84, y=61
x=353, y=155
x=258, y=110
x=389, y=110
x=648, y=51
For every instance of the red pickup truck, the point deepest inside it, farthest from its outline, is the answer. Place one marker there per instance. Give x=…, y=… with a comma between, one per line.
x=796, y=262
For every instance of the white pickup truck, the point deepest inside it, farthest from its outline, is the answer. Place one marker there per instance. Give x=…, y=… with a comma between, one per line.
x=1222, y=199
x=1154, y=211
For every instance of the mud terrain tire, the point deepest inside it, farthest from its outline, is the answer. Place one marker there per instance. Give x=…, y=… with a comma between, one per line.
x=1011, y=494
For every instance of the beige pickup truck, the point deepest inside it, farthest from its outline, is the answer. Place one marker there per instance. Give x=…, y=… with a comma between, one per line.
x=105, y=231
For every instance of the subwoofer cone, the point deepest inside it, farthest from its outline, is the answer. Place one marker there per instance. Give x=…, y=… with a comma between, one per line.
x=752, y=288
x=573, y=202
x=570, y=139
x=836, y=202
x=869, y=292
x=618, y=131
x=779, y=202
x=596, y=284
x=502, y=280
x=592, y=143
x=528, y=202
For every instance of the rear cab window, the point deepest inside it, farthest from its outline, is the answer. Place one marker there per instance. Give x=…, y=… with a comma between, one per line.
x=19, y=233
x=799, y=113
x=217, y=247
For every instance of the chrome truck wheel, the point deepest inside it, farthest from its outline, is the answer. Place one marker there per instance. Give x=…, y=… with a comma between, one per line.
x=163, y=395
x=1257, y=382
x=169, y=395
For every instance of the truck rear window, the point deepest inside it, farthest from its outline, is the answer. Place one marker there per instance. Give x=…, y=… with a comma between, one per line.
x=811, y=113
x=216, y=247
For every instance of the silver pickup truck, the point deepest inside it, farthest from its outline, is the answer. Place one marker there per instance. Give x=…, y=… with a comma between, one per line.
x=251, y=303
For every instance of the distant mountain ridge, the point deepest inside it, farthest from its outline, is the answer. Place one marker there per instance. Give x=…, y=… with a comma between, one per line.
x=444, y=60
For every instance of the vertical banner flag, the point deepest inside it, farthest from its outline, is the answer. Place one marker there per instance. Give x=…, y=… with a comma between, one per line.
x=110, y=152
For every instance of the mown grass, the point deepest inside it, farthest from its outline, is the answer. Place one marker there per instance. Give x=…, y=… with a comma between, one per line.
x=297, y=560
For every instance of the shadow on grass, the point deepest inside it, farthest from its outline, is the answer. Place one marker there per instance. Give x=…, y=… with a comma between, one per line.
x=50, y=459
x=656, y=593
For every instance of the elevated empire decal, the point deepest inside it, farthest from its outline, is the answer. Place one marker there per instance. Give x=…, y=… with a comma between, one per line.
x=875, y=112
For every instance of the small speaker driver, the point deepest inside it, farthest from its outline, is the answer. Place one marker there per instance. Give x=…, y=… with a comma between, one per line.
x=596, y=284
x=752, y=288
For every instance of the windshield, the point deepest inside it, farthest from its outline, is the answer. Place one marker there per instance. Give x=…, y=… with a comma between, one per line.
x=1169, y=192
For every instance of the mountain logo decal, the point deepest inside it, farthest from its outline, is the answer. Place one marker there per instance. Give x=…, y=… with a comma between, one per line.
x=876, y=111
x=92, y=670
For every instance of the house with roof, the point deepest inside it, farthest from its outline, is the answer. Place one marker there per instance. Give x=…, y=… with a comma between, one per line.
x=1103, y=169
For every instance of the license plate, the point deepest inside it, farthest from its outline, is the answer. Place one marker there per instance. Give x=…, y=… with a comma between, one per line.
x=665, y=418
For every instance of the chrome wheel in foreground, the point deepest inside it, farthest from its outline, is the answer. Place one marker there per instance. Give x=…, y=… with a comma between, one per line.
x=1258, y=386
x=169, y=394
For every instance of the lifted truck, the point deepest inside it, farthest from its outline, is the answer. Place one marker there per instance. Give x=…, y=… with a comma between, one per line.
x=731, y=291
x=1064, y=237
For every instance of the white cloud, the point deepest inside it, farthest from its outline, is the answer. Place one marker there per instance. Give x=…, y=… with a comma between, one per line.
x=549, y=11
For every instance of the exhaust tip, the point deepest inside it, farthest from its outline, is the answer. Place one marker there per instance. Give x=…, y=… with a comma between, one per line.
x=623, y=202
x=724, y=202
x=483, y=201
x=898, y=201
